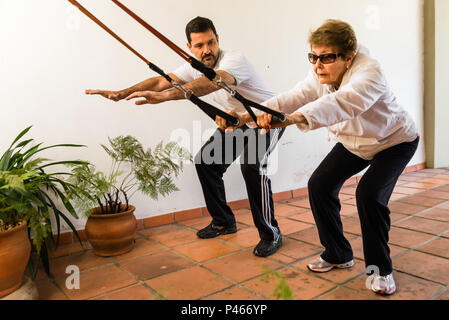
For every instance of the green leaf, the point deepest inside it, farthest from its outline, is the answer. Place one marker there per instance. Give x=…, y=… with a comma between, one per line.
x=21, y=134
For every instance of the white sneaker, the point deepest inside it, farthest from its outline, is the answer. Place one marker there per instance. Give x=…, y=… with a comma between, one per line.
x=320, y=265
x=381, y=284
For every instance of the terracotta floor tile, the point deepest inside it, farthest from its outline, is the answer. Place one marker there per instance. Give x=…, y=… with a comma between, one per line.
x=357, y=249
x=197, y=223
x=303, y=286
x=304, y=217
x=295, y=249
x=160, y=230
x=422, y=201
x=424, y=225
x=175, y=238
x=442, y=176
x=335, y=275
x=405, y=190
x=408, y=288
x=96, y=282
x=234, y=293
x=444, y=206
x=154, y=265
x=437, y=213
x=424, y=266
x=395, y=217
x=347, y=210
x=439, y=247
x=434, y=180
x=443, y=296
x=136, y=292
x=69, y=249
x=343, y=294
x=444, y=188
x=302, y=203
x=420, y=174
x=48, y=291
x=343, y=197
x=203, y=250
x=397, y=196
x=408, y=178
x=421, y=185
x=435, y=194
x=435, y=170
x=142, y=247
x=351, y=225
x=351, y=201
x=188, y=284
x=289, y=226
x=245, y=218
x=405, y=208
x=241, y=266
x=285, y=210
x=407, y=238
x=309, y=235
x=246, y=238
x=83, y=260
x=349, y=190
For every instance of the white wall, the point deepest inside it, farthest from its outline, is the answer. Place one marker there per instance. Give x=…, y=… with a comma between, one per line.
x=50, y=53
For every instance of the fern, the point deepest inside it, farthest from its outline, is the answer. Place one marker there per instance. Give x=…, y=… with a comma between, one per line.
x=133, y=169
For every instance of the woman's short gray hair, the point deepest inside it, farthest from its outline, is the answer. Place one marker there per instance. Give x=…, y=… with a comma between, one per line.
x=335, y=33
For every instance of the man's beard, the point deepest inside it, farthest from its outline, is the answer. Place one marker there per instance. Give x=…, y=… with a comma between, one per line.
x=209, y=62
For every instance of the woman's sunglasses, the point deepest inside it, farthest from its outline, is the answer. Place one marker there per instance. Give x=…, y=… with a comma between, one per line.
x=324, y=58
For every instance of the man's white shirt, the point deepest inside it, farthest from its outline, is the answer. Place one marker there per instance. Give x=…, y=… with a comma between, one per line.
x=248, y=82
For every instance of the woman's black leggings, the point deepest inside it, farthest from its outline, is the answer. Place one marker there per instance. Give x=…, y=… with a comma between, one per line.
x=372, y=195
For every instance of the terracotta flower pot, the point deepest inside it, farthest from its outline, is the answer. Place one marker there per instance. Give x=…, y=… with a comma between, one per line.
x=15, y=250
x=111, y=234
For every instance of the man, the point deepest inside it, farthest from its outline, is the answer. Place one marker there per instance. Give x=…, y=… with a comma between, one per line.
x=222, y=148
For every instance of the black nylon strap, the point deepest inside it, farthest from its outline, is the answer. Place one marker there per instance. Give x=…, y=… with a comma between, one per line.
x=201, y=67
x=159, y=71
x=211, y=75
x=278, y=117
x=210, y=110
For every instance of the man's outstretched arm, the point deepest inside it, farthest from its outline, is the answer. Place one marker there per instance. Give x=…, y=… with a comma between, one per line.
x=155, y=84
x=200, y=87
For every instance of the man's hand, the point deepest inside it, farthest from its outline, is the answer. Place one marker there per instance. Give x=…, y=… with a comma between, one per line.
x=222, y=124
x=111, y=95
x=150, y=97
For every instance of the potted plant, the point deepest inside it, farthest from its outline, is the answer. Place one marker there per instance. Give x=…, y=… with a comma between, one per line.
x=28, y=197
x=111, y=224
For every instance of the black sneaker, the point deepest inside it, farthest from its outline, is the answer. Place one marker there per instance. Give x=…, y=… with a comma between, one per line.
x=266, y=248
x=212, y=231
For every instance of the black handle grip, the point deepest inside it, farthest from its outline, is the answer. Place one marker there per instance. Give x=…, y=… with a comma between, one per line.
x=201, y=67
x=159, y=71
x=213, y=112
x=275, y=120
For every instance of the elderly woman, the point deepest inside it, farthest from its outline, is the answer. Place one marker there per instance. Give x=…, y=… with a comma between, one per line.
x=347, y=92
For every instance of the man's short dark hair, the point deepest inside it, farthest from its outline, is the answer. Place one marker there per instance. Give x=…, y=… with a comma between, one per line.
x=198, y=25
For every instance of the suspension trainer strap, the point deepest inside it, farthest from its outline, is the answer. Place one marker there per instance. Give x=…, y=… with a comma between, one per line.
x=201, y=67
x=278, y=117
x=210, y=110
